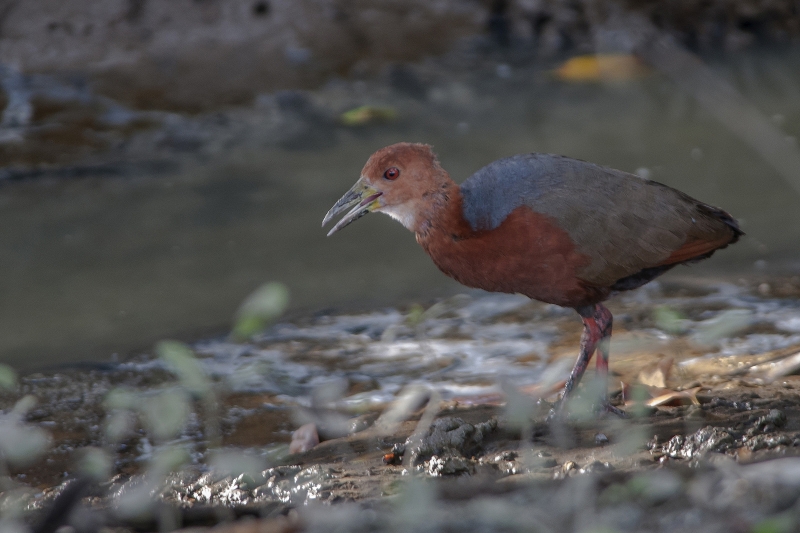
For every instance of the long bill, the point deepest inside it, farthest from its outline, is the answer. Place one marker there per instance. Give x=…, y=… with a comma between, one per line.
x=360, y=199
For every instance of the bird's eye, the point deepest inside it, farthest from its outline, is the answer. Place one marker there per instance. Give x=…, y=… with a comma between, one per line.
x=391, y=174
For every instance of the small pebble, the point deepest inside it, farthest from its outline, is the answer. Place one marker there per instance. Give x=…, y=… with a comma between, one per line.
x=596, y=466
x=304, y=438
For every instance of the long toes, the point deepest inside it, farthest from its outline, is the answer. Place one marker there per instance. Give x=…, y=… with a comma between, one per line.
x=608, y=408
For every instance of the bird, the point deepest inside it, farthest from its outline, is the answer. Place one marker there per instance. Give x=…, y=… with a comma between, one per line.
x=556, y=229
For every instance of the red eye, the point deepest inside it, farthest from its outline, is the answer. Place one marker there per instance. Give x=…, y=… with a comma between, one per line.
x=391, y=174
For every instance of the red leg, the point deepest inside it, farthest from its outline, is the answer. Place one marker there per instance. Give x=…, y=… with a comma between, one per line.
x=597, y=322
x=604, y=321
x=589, y=339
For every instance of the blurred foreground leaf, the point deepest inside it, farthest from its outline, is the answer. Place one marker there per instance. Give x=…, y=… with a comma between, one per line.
x=8, y=377
x=95, y=463
x=23, y=405
x=520, y=407
x=12, y=525
x=166, y=413
x=782, y=523
x=415, y=315
x=119, y=425
x=266, y=304
x=121, y=398
x=168, y=460
x=411, y=398
x=599, y=67
x=232, y=462
x=638, y=396
x=414, y=505
x=727, y=324
x=21, y=444
x=670, y=321
x=181, y=361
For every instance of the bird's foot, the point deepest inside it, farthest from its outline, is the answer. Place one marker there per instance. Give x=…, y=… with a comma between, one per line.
x=606, y=407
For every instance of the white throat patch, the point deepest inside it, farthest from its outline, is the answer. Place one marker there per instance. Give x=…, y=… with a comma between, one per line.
x=401, y=213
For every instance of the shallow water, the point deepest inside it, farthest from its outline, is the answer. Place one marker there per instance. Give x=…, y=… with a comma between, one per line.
x=102, y=265
x=472, y=344
x=341, y=370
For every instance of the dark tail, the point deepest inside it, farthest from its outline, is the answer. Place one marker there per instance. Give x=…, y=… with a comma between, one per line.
x=724, y=217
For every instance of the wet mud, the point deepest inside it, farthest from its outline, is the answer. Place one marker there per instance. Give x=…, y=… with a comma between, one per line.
x=409, y=438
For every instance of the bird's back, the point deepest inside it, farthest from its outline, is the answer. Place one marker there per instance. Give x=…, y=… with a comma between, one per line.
x=629, y=228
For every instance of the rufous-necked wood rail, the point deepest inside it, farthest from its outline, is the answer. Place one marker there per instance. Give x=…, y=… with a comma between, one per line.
x=555, y=229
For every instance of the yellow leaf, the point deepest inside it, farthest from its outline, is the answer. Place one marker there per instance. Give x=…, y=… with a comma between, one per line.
x=613, y=67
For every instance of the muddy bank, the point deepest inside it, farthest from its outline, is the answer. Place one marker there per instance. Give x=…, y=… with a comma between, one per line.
x=706, y=370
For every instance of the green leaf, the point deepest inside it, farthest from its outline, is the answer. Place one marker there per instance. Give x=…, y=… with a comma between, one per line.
x=121, y=398
x=262, y=307
x=520, y=407
x=24, y=405
x=95, y=463
x=8, y=377
x=367, y=114
x=119, y=425
x=180, y=359
x=168, y=460
x=782, y=523
x=415, y=315
x=670, y=321
x=233, y=462
x=727, y=324
x=166, y=413
x=22, y=444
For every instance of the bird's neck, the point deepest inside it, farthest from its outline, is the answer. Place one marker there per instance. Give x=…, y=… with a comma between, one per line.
x=443, y=214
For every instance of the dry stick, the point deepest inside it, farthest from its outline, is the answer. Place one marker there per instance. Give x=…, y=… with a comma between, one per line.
x=210, y=404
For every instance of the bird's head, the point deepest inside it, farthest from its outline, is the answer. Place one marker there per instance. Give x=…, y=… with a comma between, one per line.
x=397, y=180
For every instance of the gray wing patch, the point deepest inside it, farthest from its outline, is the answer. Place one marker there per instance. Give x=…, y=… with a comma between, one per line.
x=494, y=191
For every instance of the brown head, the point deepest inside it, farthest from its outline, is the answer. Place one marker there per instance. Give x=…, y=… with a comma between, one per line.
x=403, y=180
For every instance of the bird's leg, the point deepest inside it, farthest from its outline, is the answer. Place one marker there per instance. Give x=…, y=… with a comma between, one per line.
x=589, y=339
x=603, y=318
x=597, y=321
